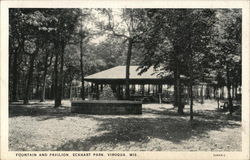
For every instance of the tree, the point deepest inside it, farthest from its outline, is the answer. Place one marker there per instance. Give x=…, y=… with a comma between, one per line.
x=82, y=36
x=30, y=71
x=16, y=45
x=178, y=41
x=130, y=29
x=162, y=49
x=197, y=45
x=31, y=31
x=65, y=24
x=227, y=40
x=31, y=25
x=46, y=64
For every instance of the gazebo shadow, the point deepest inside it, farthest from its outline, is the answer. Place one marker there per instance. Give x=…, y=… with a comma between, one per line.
x=43, y=112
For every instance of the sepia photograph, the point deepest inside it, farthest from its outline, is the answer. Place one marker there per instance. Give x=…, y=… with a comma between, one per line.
x=90, y=80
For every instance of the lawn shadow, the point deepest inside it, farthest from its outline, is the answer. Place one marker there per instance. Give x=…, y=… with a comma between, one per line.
x=36, y=110
x=205, y=114
x=140, y=130
x=165, y=124
x=43, y=111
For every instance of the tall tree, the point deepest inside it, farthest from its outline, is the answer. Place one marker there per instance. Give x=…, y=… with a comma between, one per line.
x=46, y=64
x=197, y=45
x=179, y=41
x=227, y=40
x=16, y=45
x=163, y=48
x=82, y=36
x=130, y=29
x=65, y=24
x=34, y=27
x=32, y=56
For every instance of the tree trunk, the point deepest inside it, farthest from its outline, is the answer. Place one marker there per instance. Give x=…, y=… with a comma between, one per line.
x=15, y=78
x=191, y=100
x=222, y=93
x=178, y=90
x=60, y=89
x=202, y=96
x=175, y=89
x=43, y=88
x=56, y=96
x=218, y=102
x=129, y=53
x=217, y=96
x=214, y=92
x=14, y=94
x=230, y=101
x=190, y=72
x=235, y=92
x=46, y=65
x=191, y=85
x=82, y=72
x=37, y=86
x=30, y=76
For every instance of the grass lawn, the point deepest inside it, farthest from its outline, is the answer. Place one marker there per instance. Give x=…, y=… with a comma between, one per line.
x=40, y=127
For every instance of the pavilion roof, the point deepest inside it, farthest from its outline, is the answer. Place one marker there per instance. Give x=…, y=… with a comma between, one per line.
x=118, y=74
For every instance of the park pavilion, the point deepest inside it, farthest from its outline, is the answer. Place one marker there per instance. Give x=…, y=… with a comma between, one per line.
x=148, y=84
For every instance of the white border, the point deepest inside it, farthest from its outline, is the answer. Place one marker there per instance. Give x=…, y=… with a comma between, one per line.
x=129, y=4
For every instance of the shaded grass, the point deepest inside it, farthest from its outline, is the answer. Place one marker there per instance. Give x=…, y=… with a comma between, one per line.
x=140, y=130
x=159, y=128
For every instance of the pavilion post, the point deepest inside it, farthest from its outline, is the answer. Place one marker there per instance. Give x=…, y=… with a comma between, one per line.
x=92, y=90
x=148, y=89
x=70, y=92
x=119, y=91
x=160, y=92
x=188, y=96
x=101, y=87
x=92, y=87
x=160, y=88
x=154, y=89
x=120, y=88
x=75, y=91
x=142, y=89
x=87, y=90
x=133, y=88
x=97, y=91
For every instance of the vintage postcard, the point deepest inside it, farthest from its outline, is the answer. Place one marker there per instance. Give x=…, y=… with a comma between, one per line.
x=124, y=80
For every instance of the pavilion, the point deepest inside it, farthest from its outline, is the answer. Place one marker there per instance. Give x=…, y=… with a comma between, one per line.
x=150, y=83
x=147, y=83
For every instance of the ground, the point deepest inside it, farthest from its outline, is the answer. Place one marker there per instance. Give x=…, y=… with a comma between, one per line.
x=40, y=127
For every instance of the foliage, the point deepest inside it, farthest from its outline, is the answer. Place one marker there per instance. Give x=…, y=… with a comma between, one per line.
x=107, y=93
x=193, y=45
